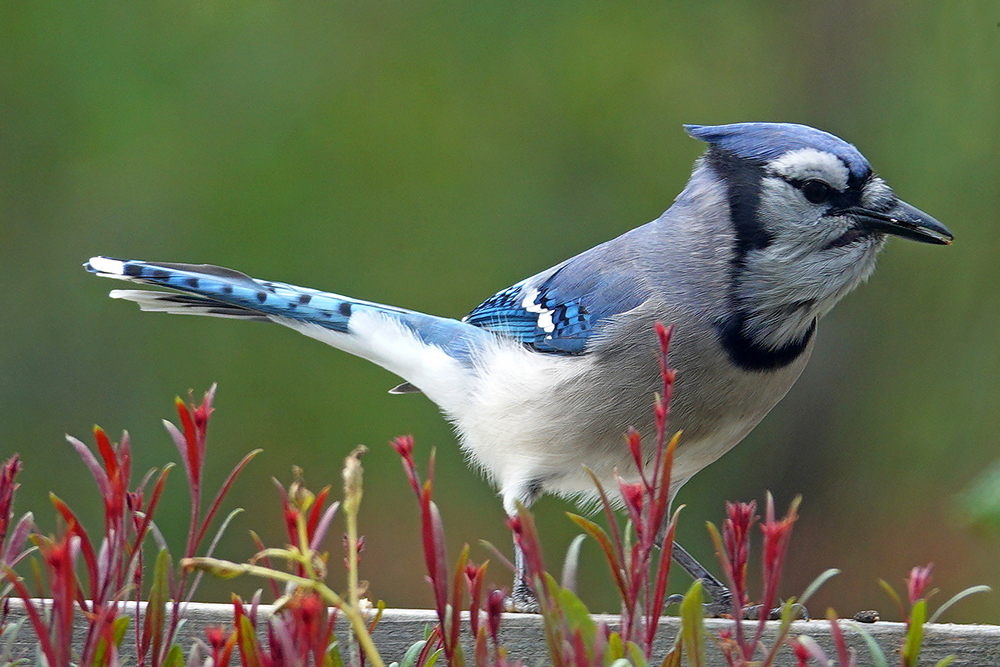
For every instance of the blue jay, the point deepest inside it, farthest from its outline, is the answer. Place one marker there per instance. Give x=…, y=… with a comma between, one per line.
x=777, y=223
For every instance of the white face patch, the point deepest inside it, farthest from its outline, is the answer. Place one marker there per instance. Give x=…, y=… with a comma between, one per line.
x=807, y=163
x=545, y=322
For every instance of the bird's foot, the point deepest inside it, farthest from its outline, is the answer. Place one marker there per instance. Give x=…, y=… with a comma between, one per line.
x=522, y=599
x=722, y=599
x=799, y=613
x=722, y=606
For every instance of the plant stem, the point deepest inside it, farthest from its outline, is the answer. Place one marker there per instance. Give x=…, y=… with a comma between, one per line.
x=354, y=616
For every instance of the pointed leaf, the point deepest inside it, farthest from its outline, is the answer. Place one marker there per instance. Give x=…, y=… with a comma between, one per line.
x=155, y=617
x=961, y=595
x=433, y=659
x=106, y=451
x=92, y=464
x=673, y=658
x=616, y=648
x=154, y=501
x=175, y=657
x=577, y=615
x=874, y=650
x=38, y=624
x=323, y=526
x=914, y=634
x=246, y=638
x=609, y=514
x=14, y=548
x=894, y=595
x=223, y=491
x=333, y=657
x=181, y=446
x=816, y=583
x=693, y=625
x=410, y=657
x=637, y=657
x=610, y=553
x=571, y=562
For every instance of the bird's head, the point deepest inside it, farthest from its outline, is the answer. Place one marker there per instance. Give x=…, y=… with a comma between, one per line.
x=795, y=179
x=809, y=217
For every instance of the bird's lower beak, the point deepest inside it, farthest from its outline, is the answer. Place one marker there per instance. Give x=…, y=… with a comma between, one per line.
x=906, y=221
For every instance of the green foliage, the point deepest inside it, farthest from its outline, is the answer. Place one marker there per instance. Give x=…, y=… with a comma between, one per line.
x=692, y=633
x=301, y=631
x=156, y=606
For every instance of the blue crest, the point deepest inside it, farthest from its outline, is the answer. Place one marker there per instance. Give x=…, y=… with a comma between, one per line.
x=767, y=141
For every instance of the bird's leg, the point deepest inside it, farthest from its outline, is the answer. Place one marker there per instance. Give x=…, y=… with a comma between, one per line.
x=522, y=598
x=722, y=598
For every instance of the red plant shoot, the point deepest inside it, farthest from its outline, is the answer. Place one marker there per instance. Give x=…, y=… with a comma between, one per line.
x=435, y=556
x=641, y=576
x=113, y=562
x=917, y=583
x=12, y=539
x=733, y=550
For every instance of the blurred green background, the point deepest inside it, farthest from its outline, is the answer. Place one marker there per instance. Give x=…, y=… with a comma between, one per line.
x=426, y=155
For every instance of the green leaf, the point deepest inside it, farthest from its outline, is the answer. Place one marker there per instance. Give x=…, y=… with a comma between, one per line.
x=878, y=657
x=101, y=652
x=333, y=657
x=118, y=629
x=577, y=615
x=637, y=656
x=433, y=658
x=672, y=659
x=817, y=582
x=961, y=595
x=914, y=634
x=552, y=619
x=175, y=657
x=379, y=611
x=412, y=653
x=944, y=662
x=155, y=616
x=246, y=638
x=7, y=638
x=893, y=594
x=693, y=625
x=616, y=649
x=599, y=535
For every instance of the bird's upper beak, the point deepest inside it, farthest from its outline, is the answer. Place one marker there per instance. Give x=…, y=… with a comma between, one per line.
x=903, y=220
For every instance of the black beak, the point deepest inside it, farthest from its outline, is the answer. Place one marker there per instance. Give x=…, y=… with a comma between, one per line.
x=903, y=220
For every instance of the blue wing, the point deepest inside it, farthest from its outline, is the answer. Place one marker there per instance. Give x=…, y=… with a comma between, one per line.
x=558, y=313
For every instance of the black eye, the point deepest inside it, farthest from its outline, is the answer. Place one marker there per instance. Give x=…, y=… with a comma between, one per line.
x=816, y=191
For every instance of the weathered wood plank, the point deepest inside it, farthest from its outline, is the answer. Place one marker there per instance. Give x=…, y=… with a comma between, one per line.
x=973, y=645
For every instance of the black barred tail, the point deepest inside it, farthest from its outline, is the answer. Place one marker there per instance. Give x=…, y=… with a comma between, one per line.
x=215, y=291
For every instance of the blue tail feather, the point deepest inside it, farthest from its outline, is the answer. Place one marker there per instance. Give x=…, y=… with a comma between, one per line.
x=227, y=293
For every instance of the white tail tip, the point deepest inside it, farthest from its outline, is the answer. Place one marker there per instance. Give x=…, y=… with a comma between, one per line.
x=112, y=267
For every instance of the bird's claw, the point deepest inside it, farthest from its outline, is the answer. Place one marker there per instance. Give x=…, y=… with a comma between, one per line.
x=722, y=606
x=799, y=613
x=521, y=600
x=717, y=608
